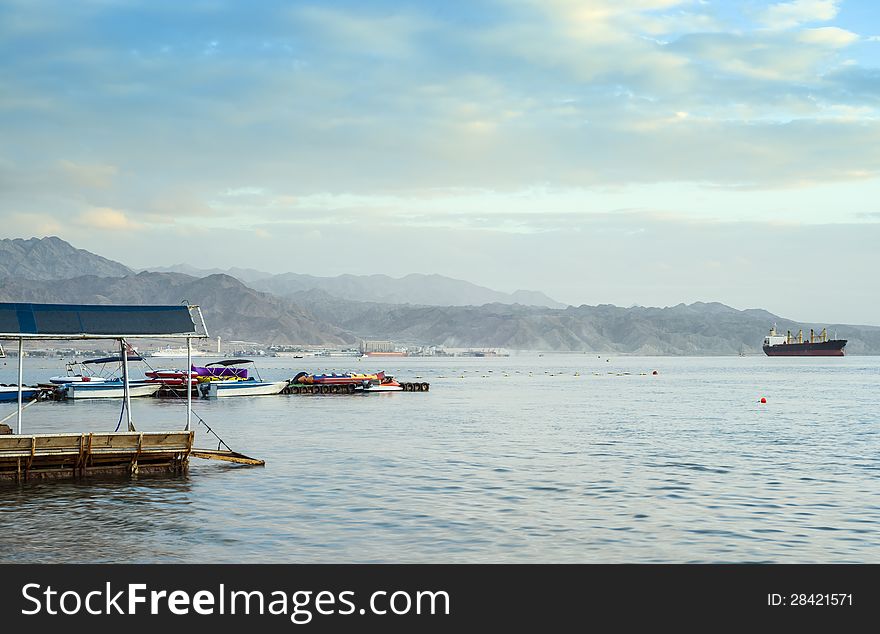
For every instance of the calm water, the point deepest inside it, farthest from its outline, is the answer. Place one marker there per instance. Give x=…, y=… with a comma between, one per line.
x=513, y=459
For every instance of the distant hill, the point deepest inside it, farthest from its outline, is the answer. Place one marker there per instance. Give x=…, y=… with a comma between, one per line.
x=416, y=288
x=247, y=276
x=695, y=329
x=303, y=309
x=53, y=259
x=231, y=309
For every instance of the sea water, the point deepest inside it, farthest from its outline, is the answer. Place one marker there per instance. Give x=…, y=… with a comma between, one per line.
x=553, y=458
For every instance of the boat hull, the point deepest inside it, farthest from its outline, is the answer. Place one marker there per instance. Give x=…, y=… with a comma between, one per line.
x=219, y=389
x=10, y=393
x=77, y=378
x=108, y=390
x=833, y=348
x=383, y=388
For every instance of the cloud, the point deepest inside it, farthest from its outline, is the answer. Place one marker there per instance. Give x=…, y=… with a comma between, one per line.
x=394, y=100
x=106, y=219
x=828, y=36
x=91, y=176
x=391, y=35
x=26, y=225
x=784, y=15
x=767, y=56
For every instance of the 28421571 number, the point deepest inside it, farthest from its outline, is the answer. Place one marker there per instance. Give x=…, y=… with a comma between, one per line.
x=813, y=599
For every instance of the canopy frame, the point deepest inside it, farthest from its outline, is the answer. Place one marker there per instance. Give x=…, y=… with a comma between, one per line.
x=29, y=317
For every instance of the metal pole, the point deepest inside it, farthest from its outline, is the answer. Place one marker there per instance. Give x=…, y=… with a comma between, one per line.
x=125, y=389
x=20, y=379
x=188, y=376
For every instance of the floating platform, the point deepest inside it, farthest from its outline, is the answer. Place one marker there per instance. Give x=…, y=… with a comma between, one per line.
x=297, y=388
x=24, y=457
x=176, y=391
x=55, y=456
x=226, y=455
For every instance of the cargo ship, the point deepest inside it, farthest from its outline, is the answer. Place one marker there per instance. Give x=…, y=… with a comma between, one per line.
x=788, y=345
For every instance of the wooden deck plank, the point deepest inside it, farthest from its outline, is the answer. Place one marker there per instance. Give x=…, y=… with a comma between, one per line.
x=70, y=455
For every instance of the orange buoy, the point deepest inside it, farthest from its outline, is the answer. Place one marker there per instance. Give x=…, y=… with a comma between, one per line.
x=763, y=399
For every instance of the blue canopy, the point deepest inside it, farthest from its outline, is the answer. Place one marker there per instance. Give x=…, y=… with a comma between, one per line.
x=84, y=321
x=116, y=359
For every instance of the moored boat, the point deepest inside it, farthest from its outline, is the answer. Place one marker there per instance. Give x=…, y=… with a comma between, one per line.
x=9, y=393
x=386, y=385
x=246, y=387
x=170, y=352
x=172, y=376
x=76, y=378
x=80, y=372
x=225, y=369
x=107, y=389
x=225, y=378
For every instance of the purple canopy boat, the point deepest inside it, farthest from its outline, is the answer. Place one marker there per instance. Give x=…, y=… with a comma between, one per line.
x=223, y=369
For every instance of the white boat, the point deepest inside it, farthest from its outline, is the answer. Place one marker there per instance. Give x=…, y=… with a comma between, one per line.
x=175, y=353
x=10, y=393
x=248, y=387
x=108, y=389
x=80, y=372
x=383, y=387
x=76, y=378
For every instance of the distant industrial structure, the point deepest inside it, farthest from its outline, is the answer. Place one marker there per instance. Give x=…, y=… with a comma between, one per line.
x=377, y=346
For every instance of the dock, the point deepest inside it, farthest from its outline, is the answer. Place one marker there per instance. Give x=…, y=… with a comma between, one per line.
x=298, y=388
x=55, y=456
x=52, y=456
x=75, y=455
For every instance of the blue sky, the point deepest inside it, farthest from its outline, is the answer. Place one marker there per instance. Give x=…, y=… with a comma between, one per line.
x=630, y=152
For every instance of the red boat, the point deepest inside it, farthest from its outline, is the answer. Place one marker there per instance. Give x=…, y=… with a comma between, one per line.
x=169, y=377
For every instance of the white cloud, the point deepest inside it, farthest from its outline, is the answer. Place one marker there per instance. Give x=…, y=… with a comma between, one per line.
x=90, y=176
x=106, y=219
x=784, y=15
x=831, y=36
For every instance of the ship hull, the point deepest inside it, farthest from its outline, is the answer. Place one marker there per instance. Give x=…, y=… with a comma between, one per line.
x=832, y=348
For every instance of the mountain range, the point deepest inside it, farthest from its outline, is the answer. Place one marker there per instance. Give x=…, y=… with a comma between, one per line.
x=53, y=259
x=415, y=288
x=694, y=329
x=231, y=309
x=301, y=309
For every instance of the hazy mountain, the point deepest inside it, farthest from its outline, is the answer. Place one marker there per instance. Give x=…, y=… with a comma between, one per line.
x=320, y=310
x=231, y=309
x=245, y=275
x=695, y=329
x=416, y=288
x=53, y=259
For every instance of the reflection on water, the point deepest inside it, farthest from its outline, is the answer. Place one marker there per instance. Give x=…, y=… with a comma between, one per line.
x=567, y=458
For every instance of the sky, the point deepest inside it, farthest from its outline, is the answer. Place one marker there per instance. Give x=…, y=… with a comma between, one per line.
x=631, y=152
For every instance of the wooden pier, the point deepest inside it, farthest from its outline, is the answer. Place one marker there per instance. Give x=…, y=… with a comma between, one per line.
x=25, y=457
x=54, y=456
